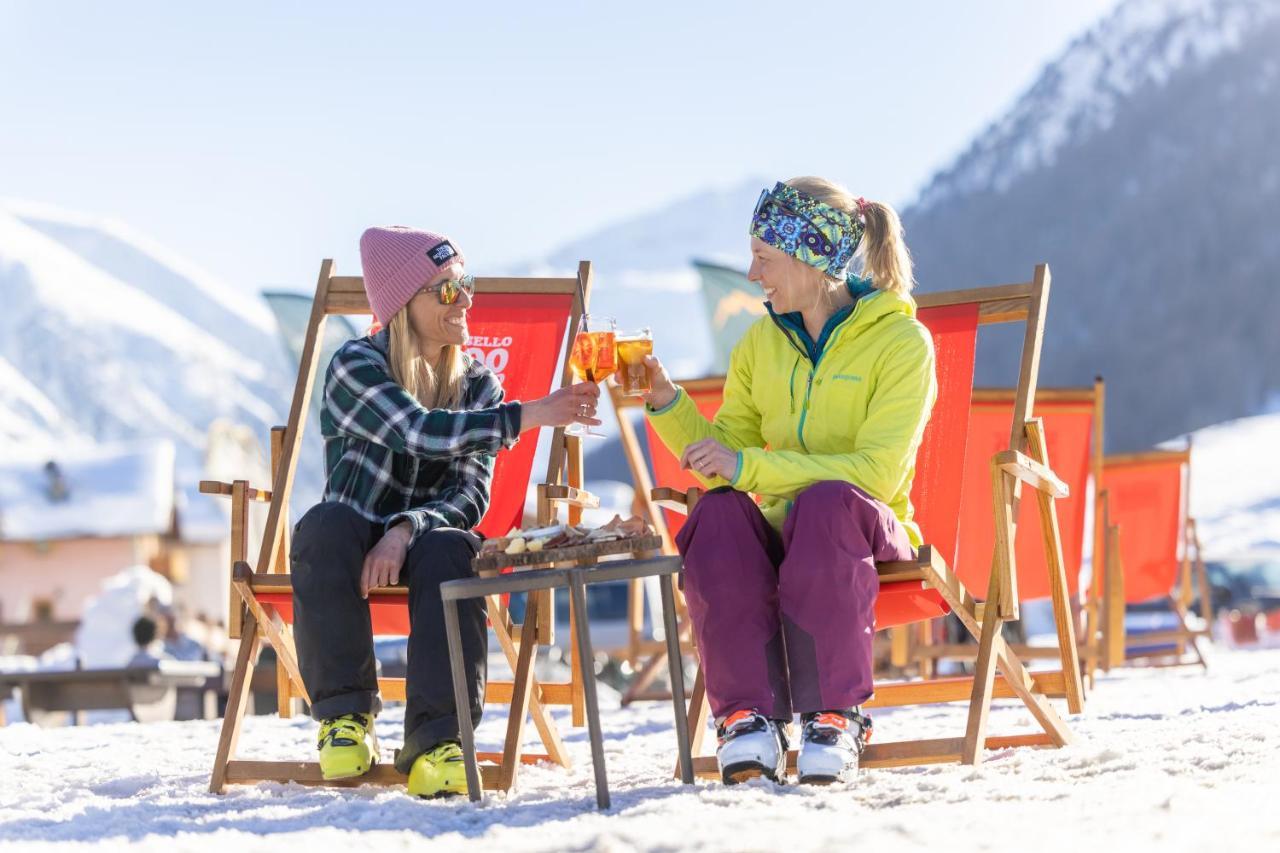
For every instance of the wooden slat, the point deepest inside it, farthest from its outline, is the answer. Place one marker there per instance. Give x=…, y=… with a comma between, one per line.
x=283, y=648
x=577, y=499
x=308, y=773
x=1051, y=537
x=237, y=700
x=1084, y=396
x=1004, y=311
x=347, y=303
x=239, y=552
x=967, y=651
x=1031, y=472
x=213, y=487
x=282, y=484
x=938, y=690
x=495, y=692
x=1093, y=604
x=346, y=285
x=1115, y=644
x=958, y=598
x=899, y=571
x=539, y=697
x=281, y=564
x=1156, y=638
x=522, y=688
x=1002, y=589
x=993, y=294
x=639, y=468
x=898, y=754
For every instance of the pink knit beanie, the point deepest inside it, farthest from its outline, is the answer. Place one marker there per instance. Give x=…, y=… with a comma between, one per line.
x=398, y=261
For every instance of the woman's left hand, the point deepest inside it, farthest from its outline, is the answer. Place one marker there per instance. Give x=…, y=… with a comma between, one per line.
x=384, y=561
x=710, y=458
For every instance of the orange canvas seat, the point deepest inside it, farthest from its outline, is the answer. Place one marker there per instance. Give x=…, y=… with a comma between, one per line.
x=531, y=326
x=1073, y=428
x=1069, y=417
x=935, y=490
x=1152, y=553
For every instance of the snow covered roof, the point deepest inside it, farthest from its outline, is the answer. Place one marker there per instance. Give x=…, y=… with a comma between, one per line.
x=107, y=490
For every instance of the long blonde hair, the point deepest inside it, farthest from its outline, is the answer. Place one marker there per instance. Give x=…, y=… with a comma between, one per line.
x=884, y=253
x=436, y=386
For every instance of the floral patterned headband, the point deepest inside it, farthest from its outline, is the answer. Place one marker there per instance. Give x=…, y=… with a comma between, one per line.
x=808, y=230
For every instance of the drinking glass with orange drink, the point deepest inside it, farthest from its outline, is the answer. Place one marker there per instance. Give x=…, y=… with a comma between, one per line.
x=633, y=376
x=594, y=358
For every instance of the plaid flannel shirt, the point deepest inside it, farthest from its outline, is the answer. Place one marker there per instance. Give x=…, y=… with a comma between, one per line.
x=392, y=460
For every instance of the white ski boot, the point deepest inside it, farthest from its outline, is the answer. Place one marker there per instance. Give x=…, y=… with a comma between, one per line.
x=830, y=746
x=751, y=745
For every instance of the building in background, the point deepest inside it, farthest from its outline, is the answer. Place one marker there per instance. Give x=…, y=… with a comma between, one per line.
x=72, y=517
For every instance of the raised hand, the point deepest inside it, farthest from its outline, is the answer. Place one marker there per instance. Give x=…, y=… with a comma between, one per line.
x=575, y=404
x=661, y=389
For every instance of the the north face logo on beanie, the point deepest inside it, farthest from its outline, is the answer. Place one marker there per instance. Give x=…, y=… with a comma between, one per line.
x=442, y=253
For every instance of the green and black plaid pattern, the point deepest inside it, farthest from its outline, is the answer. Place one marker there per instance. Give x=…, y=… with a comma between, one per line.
x=392, y=460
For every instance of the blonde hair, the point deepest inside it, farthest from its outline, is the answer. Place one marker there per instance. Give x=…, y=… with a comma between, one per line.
x=436, y=386
x=884, y=253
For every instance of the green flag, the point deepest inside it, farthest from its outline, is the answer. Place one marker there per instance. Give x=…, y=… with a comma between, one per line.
x=293, y=312
x=732, y=303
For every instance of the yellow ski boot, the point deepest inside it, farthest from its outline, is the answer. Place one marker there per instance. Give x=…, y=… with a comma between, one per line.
x=439, y=773
x=348, y=746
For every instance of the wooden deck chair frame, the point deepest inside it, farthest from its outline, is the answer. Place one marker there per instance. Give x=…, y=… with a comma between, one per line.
x=647, y=656
x=1109, y=642
x=1089, y=600
x=1026, y=461
x=253, y=624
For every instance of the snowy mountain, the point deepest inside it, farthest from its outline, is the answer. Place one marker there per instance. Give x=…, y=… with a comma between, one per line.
x=106, y=337
x=1143, y=166
x=709, y=224
x=1144, y=45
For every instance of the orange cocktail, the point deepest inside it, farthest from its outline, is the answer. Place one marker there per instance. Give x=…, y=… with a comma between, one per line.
x=594, y=358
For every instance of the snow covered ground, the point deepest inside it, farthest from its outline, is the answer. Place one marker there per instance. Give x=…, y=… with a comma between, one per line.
x=1166, y=760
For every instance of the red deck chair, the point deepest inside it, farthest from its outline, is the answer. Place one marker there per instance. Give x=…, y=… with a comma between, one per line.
x=926, y=588
x=953, y=328
x=1150, y=554
x=520, y=328
x=1073, y=427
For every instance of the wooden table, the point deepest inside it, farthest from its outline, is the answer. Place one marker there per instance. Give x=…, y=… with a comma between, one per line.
x=589, y=569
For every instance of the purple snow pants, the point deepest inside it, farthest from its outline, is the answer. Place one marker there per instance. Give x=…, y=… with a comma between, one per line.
x=784, y=624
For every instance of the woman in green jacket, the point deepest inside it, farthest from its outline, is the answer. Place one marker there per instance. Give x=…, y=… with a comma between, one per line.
x=824, y=407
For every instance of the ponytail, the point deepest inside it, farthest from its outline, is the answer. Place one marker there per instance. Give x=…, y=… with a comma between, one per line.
x=885, y=258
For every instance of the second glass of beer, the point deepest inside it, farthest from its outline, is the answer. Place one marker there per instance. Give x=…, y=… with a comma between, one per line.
x=632, y=373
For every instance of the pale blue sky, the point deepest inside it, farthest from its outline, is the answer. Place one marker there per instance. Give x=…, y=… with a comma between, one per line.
x=256, y=138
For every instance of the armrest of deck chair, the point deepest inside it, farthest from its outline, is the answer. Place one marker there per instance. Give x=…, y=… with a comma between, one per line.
x=1031, y=472
x=572, y=496
x=674, y=499
x=216, y=487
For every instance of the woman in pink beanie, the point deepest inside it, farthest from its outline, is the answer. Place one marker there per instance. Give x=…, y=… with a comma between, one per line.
x=412, y=427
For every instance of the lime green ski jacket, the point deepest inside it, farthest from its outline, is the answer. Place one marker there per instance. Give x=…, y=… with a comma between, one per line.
x=856, y=415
